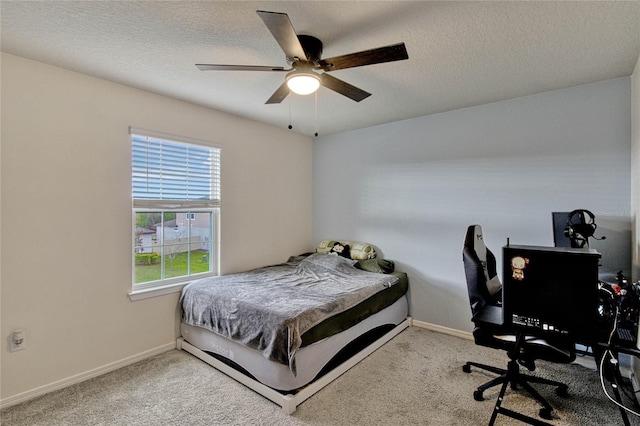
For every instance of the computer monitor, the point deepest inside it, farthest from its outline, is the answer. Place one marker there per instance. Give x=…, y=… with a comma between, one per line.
x=551, y=290
x=559, y=220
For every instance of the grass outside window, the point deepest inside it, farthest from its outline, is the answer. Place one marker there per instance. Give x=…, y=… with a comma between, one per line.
x=199, y=263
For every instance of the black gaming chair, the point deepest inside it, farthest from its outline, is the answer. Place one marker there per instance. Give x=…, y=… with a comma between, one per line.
x=490, y=330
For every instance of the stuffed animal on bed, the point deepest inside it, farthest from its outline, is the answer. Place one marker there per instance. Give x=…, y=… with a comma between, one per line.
x=340, y=250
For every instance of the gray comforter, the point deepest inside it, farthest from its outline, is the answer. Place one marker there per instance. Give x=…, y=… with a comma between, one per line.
x=269, y=308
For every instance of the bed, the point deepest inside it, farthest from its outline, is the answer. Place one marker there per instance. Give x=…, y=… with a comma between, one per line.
x=288, y=330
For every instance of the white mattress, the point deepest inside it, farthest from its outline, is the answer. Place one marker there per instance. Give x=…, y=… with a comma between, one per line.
x=310, y=360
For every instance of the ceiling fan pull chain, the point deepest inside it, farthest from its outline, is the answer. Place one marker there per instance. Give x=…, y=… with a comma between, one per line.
x=289, y=102
x=316, y=108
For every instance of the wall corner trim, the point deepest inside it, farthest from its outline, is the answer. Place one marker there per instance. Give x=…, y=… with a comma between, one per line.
x=81, y=377
x=442, y=329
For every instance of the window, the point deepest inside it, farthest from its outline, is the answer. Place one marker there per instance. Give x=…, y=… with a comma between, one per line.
x=176, y=203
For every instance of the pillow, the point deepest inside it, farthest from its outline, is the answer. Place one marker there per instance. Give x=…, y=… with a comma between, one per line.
x=331, y=262
x=297, y=259
x=359, y=251
x=339, y=249
x=325, y=246
x=379, y=265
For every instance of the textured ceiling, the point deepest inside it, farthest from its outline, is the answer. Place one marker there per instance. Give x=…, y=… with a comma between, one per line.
x=461, y=54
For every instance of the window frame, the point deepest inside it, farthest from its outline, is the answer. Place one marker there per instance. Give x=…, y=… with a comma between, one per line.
x=179, y=207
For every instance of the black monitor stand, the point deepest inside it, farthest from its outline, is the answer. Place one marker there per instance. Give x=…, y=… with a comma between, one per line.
x=559, y=221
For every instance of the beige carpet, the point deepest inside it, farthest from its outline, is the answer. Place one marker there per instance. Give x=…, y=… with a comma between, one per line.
x=416, y=379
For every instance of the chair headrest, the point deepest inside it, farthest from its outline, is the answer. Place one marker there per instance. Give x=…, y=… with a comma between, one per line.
x=474, y=242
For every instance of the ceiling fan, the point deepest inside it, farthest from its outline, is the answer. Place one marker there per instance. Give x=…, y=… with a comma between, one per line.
x=303, y=54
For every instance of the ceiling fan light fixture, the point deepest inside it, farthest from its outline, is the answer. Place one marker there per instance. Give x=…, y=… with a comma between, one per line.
x=303, y=83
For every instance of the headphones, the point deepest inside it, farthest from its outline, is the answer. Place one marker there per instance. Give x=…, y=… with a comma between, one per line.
x=581, y=224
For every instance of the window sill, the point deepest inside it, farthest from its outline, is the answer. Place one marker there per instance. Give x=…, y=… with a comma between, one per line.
x=147, y=293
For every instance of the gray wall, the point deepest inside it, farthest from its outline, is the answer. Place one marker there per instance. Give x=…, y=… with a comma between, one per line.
x=411, y=188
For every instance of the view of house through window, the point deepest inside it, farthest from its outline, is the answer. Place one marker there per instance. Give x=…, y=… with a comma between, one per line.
x=176, y=201
x=167, y=245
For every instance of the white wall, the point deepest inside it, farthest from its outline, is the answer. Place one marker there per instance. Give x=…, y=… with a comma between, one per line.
x=635, y=193
x=635, y=167
x=66, y=218
x=412, y=187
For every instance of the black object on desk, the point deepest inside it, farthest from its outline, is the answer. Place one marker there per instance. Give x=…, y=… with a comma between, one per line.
x=552, y=290
x=555, y=291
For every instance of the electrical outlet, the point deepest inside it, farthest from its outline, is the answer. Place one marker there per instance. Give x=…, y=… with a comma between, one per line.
x=17, y=341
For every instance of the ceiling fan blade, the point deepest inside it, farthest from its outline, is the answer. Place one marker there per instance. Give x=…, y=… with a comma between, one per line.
x=279, y=95
x=394, y=52
x=284, y=33
x=344, y=88
x=215, y=67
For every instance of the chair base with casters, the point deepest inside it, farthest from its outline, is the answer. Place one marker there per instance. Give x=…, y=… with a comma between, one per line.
x=512, y=376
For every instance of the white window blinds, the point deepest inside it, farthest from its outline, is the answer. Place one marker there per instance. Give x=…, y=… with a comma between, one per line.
x=172, y=174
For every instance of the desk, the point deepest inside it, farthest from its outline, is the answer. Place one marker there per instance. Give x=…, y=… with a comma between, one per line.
x=604, y=349
x=611, y=371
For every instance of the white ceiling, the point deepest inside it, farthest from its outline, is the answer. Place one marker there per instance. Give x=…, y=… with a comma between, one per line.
x=461, y=54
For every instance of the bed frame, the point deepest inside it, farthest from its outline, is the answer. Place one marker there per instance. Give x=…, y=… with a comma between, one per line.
x=290, y=401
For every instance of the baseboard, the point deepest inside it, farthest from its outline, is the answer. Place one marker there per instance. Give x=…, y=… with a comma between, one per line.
x=441, y=329
x=61, y=384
